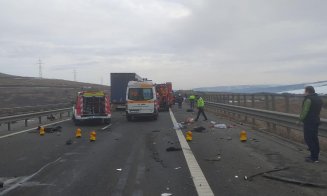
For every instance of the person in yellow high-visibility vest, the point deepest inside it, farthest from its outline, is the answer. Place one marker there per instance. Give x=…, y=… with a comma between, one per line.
x=192, y=101
x=200, y=106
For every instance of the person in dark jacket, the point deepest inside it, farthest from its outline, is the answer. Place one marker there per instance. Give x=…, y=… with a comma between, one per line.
x=310, y=116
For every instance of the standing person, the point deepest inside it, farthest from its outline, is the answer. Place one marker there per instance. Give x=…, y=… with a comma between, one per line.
x=180, y=101
x=192, y=101
x=200, y=106
x=310, y=116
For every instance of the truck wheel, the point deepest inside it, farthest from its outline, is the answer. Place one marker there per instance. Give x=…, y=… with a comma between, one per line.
x=107, y=121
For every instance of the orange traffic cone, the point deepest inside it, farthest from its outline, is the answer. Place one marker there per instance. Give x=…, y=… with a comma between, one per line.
x=243, y=136
x=42, y=131
x=93, y=136
x=78, y=133
x=189, y=136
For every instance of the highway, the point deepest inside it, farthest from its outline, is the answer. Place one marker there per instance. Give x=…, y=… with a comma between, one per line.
x=131, y=158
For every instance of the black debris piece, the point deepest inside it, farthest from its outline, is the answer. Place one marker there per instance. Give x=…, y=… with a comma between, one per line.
x=69, y=142
x=199, y=129
x=170, y=149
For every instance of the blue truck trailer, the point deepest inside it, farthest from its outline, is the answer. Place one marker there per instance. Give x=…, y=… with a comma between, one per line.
x=118, y=83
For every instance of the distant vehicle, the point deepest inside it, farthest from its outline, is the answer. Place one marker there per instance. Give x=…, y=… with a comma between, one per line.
x=92, y=105
x=141, y=100
x=165, y=95
x=119, y=82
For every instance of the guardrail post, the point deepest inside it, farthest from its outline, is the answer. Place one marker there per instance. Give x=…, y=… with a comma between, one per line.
x=26, y=121
x=9, y=126
x=273, y=107
x=40, y=119
x=267, y=108
x=287, y=103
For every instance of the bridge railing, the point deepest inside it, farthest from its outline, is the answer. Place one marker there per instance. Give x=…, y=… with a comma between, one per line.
x=9, y=120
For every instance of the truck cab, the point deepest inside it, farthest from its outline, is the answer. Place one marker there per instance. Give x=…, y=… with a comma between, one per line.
x=141, y=100
x=92, y=105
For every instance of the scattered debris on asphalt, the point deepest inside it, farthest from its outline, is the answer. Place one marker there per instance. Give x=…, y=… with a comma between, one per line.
x=220, y=126
x=250, y=178
x=199, y=129
x=189, y=120
x=50, y=129
x=166, y=194
x=69, y=142
x=1, y=184
x=170, y=149
x=119, y=169
x=177, y=168
x=236, y=176
x=218, y=158
x=294, y=181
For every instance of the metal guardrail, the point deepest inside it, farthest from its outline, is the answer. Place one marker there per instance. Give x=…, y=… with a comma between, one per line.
x=29, y=109
x=278, y=118
x=10, y=119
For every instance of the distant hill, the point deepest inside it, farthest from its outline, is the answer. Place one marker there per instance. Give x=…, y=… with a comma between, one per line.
x=17, y=91
x=321, y=87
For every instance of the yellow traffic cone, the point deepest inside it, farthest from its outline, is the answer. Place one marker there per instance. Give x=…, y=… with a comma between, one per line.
x=78, y=133
x=42, y=131
x=243, y=136
x=93, y=136
x=189, y=136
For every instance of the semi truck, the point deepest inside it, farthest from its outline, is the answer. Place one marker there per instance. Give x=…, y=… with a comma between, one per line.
x=92, y=105
x=119, y=82
x=165, y=95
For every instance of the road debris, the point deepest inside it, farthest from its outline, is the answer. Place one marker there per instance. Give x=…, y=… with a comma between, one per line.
x=119, y=169
x=220, y=126
x=199, y=129
x=166, y=194
x=250, y=178
x=1, y=184
x=189, y=120
x=294, y=181
x=236, y=176
x=213, y=159
x=177, y=168
x=170, y=149
x=69, y=142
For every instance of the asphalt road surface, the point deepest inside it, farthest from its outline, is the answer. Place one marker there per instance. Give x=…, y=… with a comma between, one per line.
x=130, y=158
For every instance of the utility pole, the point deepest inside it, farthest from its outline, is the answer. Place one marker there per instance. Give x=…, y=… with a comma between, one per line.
x=75, y=75
x=40, y=68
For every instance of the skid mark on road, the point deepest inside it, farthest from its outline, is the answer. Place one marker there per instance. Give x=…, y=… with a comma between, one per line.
x=31, y=129
x=199, y=180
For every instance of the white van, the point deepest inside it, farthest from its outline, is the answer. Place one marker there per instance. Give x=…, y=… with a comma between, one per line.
x=141, y=100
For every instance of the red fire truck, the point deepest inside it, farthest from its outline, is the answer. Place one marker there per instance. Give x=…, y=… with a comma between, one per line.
x=165, y=95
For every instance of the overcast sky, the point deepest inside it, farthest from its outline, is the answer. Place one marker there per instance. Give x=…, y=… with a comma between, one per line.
x=192, y=43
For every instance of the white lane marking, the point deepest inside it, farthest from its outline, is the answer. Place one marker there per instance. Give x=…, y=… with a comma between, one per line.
x=19, y=132
x=106, y=127
x=199, y=180
x=20, y=182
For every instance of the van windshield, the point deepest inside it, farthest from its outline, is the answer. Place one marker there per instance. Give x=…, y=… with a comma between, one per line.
x=138, y=94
